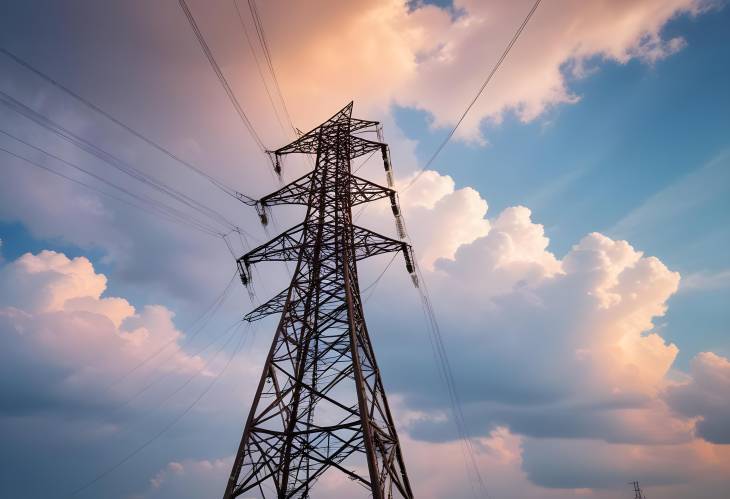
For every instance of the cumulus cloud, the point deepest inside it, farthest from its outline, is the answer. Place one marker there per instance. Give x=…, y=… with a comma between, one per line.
x=66, y=340
x=705, y=397
x=562, y=351
x=440, y=217
x=425, y=57
x=550, y=347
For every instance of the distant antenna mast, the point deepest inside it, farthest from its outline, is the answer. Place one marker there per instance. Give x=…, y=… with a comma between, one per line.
x=637, y=491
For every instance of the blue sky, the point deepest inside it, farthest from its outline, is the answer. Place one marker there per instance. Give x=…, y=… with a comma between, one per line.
x=635, y=149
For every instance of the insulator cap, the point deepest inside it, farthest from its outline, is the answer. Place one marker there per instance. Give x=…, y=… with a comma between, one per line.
x=409, y=258
x=389, y=177
x=243, y=272
x=261, y=211
x=386, y=159
x=394, y=204
x=414, y=279
x=277, y=165
x=400, y=227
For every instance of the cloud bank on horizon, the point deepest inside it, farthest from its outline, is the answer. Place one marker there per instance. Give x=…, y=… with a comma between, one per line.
x=567, y=382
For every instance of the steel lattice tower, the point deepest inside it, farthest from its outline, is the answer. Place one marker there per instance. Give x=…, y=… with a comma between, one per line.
x=320, y=403
x=637, y=491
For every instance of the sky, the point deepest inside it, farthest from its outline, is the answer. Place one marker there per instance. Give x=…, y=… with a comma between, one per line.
x=572, y=235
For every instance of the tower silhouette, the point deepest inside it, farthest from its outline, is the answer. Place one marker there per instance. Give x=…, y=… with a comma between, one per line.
x=320, y=405
x=637, y=491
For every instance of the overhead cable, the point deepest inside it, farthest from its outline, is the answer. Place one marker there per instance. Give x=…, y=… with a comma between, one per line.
x=261, y=34
x=155, y=207
x=110, y=117
x=258, y=67
x=168, y=217
x=494, y=70
x=114, y=161
x=205, y=317
x=221, y=77
x=166, y=428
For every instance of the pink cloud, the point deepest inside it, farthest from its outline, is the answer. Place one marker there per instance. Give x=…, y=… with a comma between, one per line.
x=53, y=315
x=428, y=59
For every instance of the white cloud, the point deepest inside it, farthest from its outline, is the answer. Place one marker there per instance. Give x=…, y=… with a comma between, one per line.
x=589, y=313
x=55, y=320
x=428, y=59
x=189, y=478
x=420, y=57
x=441, y=218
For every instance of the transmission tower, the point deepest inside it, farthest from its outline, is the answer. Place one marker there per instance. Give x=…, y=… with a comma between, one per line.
x=320, y=404
x=637, y=491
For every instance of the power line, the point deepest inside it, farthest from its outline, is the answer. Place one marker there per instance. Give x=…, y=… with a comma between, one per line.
x=446, y=374
x=166, y=428
x=261, y=34
x=214, y=307
x=261, y=37
x=476, y=97
x=205, y=317
x=160, y=402
x=437, y=340
x=258, y=66
x=156, y=380
x=158, y=208
x=113, y=161
x=374, y=285
x=90, y=187
x=448, y=378
x=96, y=108
x=221, y=77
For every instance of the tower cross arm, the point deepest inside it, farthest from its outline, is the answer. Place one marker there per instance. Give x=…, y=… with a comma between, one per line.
x=274, y=306
x=367, y=243
x=287, y=245
x=298, y=192
x=360, y=146
x=282, y=248
x=308, y=144
x=364, y=191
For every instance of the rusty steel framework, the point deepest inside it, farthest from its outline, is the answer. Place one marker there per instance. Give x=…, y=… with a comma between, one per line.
x=320, y=404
